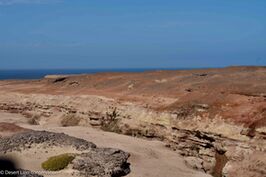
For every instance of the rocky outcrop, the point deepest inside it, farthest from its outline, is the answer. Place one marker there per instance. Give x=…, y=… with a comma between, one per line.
x=90, y=161
x=218, y=155
x=104, y=162
x=251, y=165
x=199, y=147
x=208, y=152
x=27, y=139
x=198, y=113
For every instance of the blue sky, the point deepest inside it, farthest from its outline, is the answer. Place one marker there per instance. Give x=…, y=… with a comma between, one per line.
x=131, y=33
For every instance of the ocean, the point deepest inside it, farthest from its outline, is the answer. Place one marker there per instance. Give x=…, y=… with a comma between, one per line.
x=40, y=73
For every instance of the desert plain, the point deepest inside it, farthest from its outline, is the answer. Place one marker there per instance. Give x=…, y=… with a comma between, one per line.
x=178, y=123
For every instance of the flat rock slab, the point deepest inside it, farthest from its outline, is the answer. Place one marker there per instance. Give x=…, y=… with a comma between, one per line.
x=105, y=162
x=27, y=139
x=90, y=161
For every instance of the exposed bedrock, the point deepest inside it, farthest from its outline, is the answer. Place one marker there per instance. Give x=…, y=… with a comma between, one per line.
x=215, y=118
x=89, y=159
x=104, y=162
x=27, y=139
x=209, y=152
x=185, y=131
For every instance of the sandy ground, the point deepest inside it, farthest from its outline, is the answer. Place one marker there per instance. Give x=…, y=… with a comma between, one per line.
x=148, y=158
x=223, y=100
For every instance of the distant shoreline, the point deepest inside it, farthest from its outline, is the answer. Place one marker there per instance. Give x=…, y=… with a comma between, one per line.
x=31, y=74
x=28, y=74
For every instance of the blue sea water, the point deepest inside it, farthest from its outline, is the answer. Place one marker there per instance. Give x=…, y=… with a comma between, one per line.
x=38, y=74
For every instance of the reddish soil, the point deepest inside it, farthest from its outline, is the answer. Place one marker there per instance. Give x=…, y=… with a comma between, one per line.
x=8, y=129
x=237, y=94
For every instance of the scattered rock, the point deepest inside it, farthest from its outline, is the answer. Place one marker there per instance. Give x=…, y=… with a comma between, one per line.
x=93, y=161
x=194, y=162
x=104, y=162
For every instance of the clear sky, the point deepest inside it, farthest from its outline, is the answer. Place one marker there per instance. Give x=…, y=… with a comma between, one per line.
x=131, y=33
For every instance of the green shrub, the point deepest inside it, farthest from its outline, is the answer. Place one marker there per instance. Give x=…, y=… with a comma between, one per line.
x=57, y=163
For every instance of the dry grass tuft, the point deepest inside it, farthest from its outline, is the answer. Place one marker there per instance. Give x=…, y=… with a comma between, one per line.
x=70, y=120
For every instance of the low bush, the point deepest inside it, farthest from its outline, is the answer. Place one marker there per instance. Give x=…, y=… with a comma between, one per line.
x=70, y=120
x=111, y=127
x=111, y=121
x=57, y=163
x=34, y=120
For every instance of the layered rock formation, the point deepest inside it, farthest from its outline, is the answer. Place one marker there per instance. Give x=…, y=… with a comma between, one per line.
x=215, y=118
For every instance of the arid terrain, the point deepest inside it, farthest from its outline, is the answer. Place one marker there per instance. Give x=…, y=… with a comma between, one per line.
x=186, y=123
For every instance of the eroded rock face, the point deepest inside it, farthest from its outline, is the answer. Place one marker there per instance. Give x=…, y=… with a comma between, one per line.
x=252, y=165
x=208, y=152
x=89, y=159
x=199, y=113
x=218, y=155
x=199, y=148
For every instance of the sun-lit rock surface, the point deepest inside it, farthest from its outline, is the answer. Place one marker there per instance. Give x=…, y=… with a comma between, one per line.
x=215, y=118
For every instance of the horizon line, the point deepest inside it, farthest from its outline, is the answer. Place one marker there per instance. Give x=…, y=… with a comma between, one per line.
x=141, y=68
